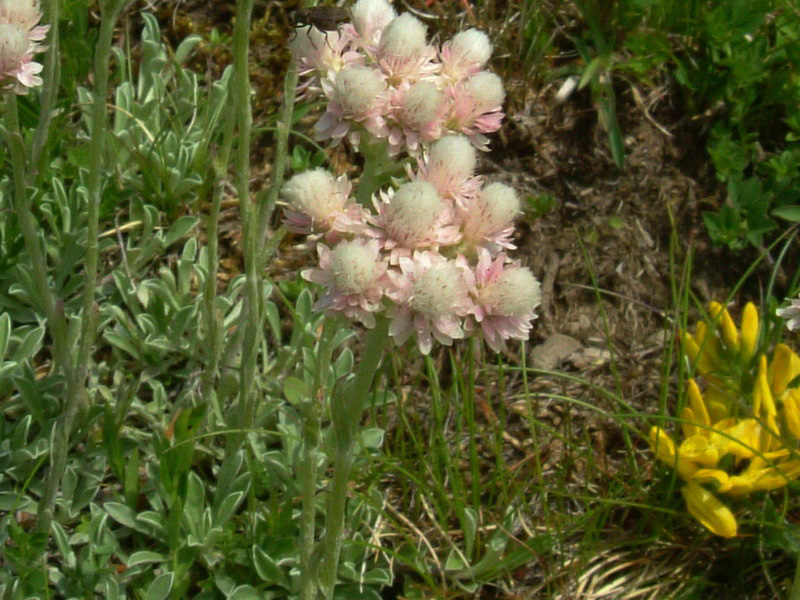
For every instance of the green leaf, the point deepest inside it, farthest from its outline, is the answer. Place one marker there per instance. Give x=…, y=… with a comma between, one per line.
x=267, y=568
x=228, y=507
x=160, y=588
x=5, y=333
x=245, y=592
x=121, y=514
x=296, y=391
x=179, y=229
x=145, y=557
x=790, y=213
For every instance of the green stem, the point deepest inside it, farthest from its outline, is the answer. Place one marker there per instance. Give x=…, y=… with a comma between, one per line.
x=52, y=76
x=76, y=380
x=378, y=166
x=307, y=475
x=45, y=301
x=794, y=593
x=347, y=407
x=213, y=337
x=284, y=127
x=250, y=320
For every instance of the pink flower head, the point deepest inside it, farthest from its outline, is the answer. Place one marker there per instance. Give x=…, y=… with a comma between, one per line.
x=320, y=54
x=431, y=296
x=487, y=220
x=477, y=105
x=450, y=167
x=465, y=55
x=358, y=95
x=18, y=43
x=411, y=218
x=506, y=297
x=318, y=203
x=354, y=276
x=370, y=18
x=403, y=54
x=418, y=114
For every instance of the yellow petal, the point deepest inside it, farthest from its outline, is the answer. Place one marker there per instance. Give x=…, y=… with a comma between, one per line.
x=696, y=403
x=763, y=403
x=791, y=412
x=749, y=330
x=663, y=446
x=706, y=508
x=781, y=370
x=739, y=438
x=729, y=333
x=709, y=347
x=698, y=449
x=688, y=421
x=716, y=476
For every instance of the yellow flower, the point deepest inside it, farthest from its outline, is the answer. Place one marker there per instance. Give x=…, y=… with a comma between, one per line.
x=706, y=508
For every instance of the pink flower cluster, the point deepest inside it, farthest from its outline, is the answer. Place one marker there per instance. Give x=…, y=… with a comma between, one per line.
x=19, y=34
x=380, y=77
x=431, y=255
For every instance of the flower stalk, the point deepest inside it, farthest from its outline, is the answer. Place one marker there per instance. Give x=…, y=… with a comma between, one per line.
x=52, y=76
x=250, y=321
x=76, y=378
x=347, y=406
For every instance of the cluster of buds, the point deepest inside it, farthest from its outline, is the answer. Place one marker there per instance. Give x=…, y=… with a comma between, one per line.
x=381, y=78
x=19, y=37
x=737, y=433
x=431, y=253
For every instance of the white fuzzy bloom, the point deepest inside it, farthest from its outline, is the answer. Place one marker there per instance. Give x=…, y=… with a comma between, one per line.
x=354, y=269
x=471, y=46
x=412, y=212
x=371, y=17
x=314, y=193
x=421, y=104
x=356, y=89
x=404, y=37
x=453, y=154
x=501, y=205
x=438, y=290
x=13, y=46
x=486, y=91
x=24, y=13
x=514, y=293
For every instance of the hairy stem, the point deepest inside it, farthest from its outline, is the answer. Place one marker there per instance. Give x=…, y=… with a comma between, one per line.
x=250, y=320
x=52, y=77
x=347, y=405
x=76, y=380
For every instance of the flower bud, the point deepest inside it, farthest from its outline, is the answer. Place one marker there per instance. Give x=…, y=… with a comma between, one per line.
x=412, y=212
x=440, y=291
x=472, y=47
x=421, y=104
x=404, y=36
x=453, y=155
x=514, y=293
x=355, y=266
x=486, y=91
x=356, y=88
x=13, y=47
x=314, y=193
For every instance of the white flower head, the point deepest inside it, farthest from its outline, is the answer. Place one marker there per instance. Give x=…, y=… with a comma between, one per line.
x=404, y=37
x=370, y=18
x=488, y=219
x=486, y=91
x=431, y=295
x=319, y=203
x=356, y=88
x=466, y=54
x=19, y=35
x=354, y=275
